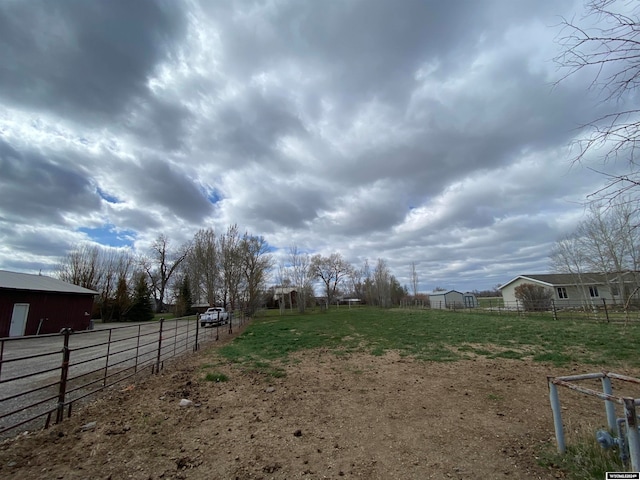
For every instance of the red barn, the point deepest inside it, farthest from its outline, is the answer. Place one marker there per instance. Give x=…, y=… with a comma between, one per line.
x=34, y=304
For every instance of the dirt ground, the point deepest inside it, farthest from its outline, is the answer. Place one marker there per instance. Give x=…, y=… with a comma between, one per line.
x=348, y=416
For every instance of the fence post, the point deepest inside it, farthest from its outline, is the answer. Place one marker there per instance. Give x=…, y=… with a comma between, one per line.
x=175, y=337
x=159, y=346
x=606, y=310
x=609, y=406
x=555, y=312
x=186, y=335
x=1, y=355
x=632, y=433
x=135, y=369
x=557, y=415
x=230, y=314
x=196, y=346
x=64, y=374
x=106, y=364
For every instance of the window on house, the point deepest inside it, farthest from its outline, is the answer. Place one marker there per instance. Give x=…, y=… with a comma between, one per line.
x=562, y=292
x=614, y=290
x=593, y=291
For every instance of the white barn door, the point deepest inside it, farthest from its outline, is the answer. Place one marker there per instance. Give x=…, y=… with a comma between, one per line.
x=19, y=319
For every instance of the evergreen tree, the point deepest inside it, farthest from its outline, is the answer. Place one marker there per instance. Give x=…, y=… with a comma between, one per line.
x=122, y=302
x=184, y=300
x=141, y=310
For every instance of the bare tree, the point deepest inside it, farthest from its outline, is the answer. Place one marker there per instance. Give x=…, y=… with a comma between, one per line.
x=414, y=280
x=97, y=268
x=283, y=281
x=606, y=41
x=160, y=266
x=301, y=275
x=605, y=242
x=203, y=267
x=382, y=284
x=82, y=267
x=331, y=270
x=569, y=255
x=368, y=283
x=356, y=282
x=230, y=245
x=256, y=264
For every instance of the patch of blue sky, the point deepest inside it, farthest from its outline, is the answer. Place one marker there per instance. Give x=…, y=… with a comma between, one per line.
x=213, y=196
x=270, y=248
x=107, y=197
x=108, y=235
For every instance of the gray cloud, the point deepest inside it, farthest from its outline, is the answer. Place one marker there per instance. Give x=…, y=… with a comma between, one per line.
x=41, y=188
x=80, y=59
x=157, y=187
x=422, y=131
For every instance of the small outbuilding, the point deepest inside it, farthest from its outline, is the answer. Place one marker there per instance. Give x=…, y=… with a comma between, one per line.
x=452, y=299
x=288, y=295
x=36, y=304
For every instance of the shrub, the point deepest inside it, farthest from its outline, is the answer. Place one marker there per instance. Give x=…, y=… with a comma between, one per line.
x=534, y=298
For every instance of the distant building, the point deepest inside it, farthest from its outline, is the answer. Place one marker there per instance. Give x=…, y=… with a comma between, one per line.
x=285, y=295
x=571, y=290
x=452, y=299
x=35, y=304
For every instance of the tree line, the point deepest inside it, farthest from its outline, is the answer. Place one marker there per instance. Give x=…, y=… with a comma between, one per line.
x=339, y=280
x=231, y=269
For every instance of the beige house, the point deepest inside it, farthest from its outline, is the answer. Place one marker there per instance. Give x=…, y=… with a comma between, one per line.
x=572, y=290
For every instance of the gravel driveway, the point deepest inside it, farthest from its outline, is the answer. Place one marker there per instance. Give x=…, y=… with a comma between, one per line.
x=30, y=367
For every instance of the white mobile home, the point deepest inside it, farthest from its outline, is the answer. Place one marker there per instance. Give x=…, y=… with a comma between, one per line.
x=570, y=290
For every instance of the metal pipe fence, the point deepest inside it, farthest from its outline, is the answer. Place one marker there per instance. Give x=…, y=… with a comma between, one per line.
x=42, y=377
x=597, y=310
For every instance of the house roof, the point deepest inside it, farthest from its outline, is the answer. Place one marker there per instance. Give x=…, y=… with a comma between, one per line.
x=563, y=279
x=39, y=283
x=444, y=292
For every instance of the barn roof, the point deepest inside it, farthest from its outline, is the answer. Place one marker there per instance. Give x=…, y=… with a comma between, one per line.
x=39, y=283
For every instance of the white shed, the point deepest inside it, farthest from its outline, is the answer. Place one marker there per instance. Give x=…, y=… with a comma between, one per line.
x=447, y=299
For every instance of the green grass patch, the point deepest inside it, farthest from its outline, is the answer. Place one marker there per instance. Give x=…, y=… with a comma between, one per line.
x=216, y=377
x=490, y=302
x=431, y=335
x=510, y=354
x=584, y=459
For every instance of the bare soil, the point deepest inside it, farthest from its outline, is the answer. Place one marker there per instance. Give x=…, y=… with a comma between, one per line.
x=346, y=416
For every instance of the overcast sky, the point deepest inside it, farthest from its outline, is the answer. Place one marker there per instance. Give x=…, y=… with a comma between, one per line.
x=414, y=131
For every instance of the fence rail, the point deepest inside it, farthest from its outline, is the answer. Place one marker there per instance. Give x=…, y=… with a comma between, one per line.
x=42, y=377
x=597, y=310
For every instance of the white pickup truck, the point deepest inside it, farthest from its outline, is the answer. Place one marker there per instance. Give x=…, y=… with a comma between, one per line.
x=214, y=316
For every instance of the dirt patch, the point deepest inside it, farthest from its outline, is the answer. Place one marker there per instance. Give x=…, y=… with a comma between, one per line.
x=347, y=416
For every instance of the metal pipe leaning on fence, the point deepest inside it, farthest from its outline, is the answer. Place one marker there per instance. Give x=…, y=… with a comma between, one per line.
x=628, y=439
